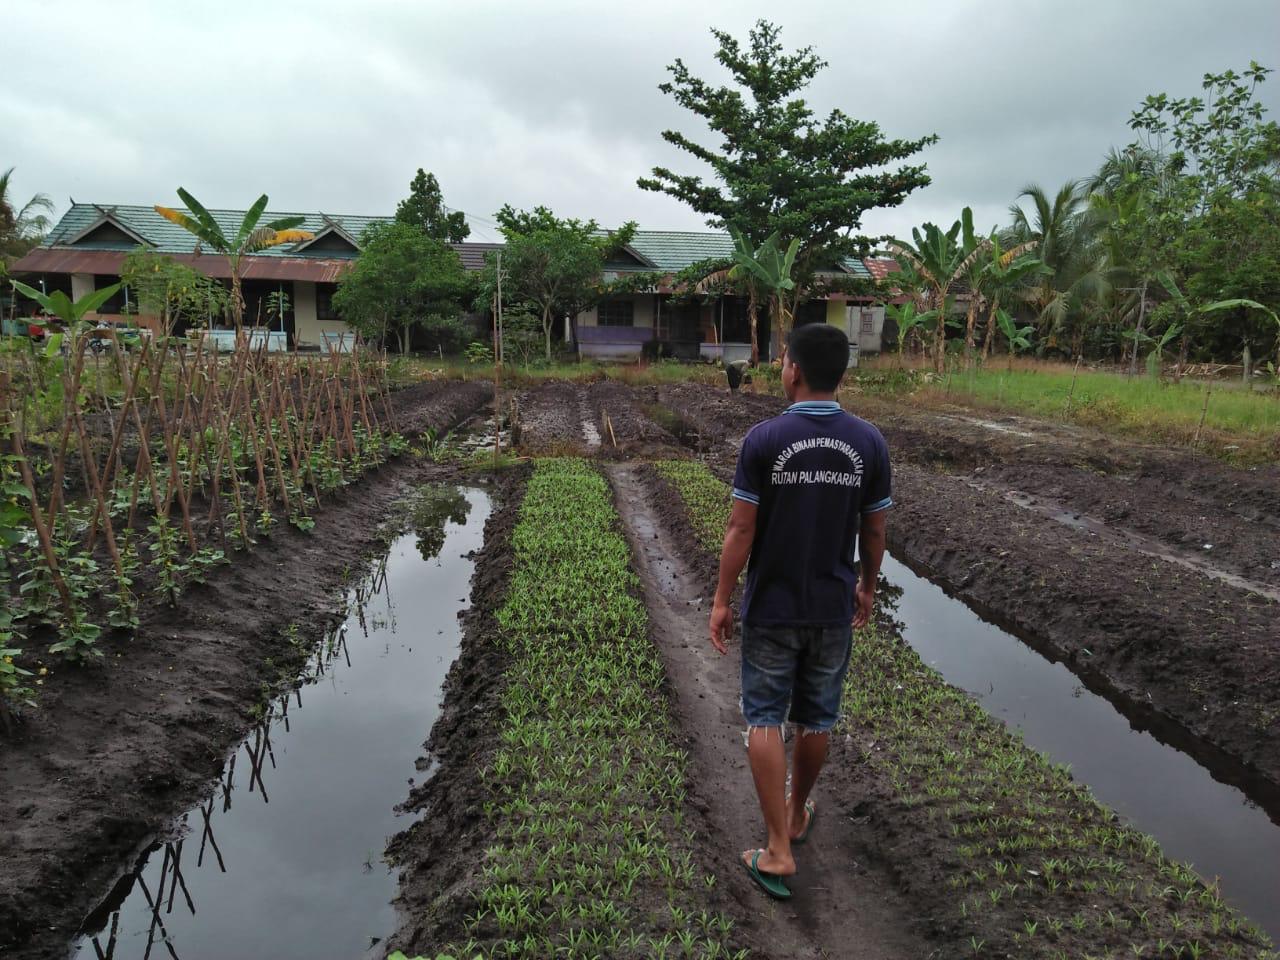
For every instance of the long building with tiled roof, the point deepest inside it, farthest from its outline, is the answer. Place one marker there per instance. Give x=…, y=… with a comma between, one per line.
x=87, y=248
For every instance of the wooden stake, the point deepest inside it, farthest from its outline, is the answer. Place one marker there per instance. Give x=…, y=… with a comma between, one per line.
x=1203, y=411
x=1072, y=392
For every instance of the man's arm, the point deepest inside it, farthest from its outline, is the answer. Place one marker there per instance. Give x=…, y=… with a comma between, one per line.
x=870, y=555
x=738, y=537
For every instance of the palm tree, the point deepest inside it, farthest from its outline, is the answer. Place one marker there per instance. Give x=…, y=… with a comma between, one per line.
x=1064, y=231
x=939, y=260
x=20, y=227
x=249, y=238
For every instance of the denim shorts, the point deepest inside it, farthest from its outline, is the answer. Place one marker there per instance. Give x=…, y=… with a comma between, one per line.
x=794, y=674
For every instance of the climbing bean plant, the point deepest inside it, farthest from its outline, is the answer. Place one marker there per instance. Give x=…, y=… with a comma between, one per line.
x=124, y=471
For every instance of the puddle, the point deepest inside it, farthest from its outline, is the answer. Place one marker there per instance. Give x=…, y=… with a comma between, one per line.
x=285, y=858
x=1159, y=789
x=994, y=426
x=590, y=434
x=478, y=435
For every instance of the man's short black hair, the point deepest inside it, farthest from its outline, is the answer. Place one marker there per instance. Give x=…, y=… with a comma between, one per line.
x=821, y=351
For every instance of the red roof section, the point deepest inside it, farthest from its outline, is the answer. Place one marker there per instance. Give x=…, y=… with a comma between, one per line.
x=883, y=267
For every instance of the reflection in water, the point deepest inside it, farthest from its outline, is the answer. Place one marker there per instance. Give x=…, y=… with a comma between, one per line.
x=1161, y=790
x=433, y=507
x=316, y=788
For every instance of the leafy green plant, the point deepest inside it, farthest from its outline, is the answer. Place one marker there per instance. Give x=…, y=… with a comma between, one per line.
x=14, y=688
x=908, y=319
x=1018, y=338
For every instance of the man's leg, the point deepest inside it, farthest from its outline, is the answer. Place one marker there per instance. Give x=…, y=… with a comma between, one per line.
x=768, y=758
x=807, y=758
x=815, y=708
x=769, y=656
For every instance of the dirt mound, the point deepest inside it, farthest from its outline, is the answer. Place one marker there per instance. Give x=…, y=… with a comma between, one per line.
x=550, y=418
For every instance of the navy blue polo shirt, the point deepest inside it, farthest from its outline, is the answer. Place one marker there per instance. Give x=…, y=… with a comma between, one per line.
x=813, y=472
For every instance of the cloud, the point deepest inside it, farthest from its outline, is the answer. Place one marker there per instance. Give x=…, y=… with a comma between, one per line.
x=332, y=106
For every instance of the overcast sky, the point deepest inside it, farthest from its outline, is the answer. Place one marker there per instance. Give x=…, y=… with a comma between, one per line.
x=332, y=106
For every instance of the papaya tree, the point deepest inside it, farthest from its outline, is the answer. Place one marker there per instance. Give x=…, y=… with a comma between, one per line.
x=249, y=237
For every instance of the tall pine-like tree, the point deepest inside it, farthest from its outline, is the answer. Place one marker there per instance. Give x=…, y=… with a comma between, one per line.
x=424, y=208
x=780, y=168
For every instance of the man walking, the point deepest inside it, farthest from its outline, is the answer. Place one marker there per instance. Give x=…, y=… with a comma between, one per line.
x=809, y=484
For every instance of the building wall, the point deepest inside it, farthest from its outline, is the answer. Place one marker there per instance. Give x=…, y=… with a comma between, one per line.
x=81, y=285
x=869, y=341
x=307, y=326
x=643, y=317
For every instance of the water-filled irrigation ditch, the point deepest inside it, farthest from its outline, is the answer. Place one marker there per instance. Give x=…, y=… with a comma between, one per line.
x=284, y=858
x=1161, y=790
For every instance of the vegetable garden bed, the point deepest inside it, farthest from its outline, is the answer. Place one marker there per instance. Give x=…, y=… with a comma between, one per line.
x=589, y=847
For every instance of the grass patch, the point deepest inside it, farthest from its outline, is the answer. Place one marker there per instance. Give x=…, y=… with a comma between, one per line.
x=1240, y=423
x=1019, y=860
x=407, y=370
x=593, y=856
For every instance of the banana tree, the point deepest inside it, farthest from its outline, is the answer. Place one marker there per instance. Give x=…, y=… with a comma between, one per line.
x=907, y=319
x=249, y=238
x=1191, y=310
x=1019, y=338
x=742, y=250
x=995, y=272
x=940, y=259
x=70, y=312
x=770, y=267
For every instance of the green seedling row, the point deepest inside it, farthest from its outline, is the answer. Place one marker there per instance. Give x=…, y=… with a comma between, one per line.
x=1021, y=859
x=593, y=851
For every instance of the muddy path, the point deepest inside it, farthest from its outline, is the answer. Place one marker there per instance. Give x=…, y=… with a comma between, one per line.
x=839, y=899
x=119, y=747
x=600, y=418
x=549, y=418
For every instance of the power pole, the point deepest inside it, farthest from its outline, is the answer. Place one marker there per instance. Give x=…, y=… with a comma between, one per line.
x=497, y=364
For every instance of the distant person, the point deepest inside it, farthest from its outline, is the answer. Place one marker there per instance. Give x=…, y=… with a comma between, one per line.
x=809, y=484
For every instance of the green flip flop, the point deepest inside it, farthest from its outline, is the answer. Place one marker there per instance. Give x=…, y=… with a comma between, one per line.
x=770, y=883
x=808, y=827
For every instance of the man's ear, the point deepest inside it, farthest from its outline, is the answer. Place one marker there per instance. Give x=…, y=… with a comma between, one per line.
x=797, y=375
